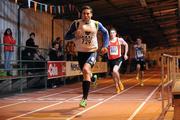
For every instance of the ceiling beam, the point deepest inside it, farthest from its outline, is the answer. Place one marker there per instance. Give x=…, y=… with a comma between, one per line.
x=161, y=5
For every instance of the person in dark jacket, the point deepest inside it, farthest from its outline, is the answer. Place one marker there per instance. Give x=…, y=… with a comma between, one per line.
x=30, y=41
x=54, y=54
x=28, y=53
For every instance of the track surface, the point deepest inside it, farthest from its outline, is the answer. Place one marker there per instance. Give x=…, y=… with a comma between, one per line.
x=134, y=103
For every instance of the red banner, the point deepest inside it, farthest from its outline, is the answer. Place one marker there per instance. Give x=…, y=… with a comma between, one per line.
x=56, y=69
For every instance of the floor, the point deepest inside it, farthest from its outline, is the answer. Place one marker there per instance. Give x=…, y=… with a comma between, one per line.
x=133, y=103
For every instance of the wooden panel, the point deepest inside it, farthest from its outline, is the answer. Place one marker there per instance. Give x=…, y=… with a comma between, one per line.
x=176, y=109
x=176, y=88
x=40, y=24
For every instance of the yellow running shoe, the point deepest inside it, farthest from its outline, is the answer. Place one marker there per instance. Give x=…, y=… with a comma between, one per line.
x=141, y=79
x=137, y=77
x=118, y=90
x=142, y=84
x=121, y=86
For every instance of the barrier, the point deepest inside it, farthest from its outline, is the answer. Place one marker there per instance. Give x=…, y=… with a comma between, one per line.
x=170, y=82
x=30, y=72
x=58, y=69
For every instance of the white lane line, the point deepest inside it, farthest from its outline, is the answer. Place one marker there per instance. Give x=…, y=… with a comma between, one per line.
x=122, y=100
x=143, y=103
x=36, y=98
x=9, y=105
x=50, y=99
x=42, y=96
x=74, y=116
x=12, y=104
x=90, y=99
x=55, y=104
x=45, y=118
x=14, y=99
x=66, y=101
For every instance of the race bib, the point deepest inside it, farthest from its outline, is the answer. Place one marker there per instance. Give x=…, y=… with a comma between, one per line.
x=114, y=50
x=139, y=54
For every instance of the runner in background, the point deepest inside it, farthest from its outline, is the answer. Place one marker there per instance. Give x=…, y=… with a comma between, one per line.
x=115, y=58
x=140, y=51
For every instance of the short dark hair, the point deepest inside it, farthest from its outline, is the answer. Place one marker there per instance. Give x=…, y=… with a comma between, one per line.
x=58, y=39
x=139, y=37
x=113, y=29
x=54, y=43
x=86, y=7
x=32, y=33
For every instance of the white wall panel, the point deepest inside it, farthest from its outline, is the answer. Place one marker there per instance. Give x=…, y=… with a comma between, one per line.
x=8, y=19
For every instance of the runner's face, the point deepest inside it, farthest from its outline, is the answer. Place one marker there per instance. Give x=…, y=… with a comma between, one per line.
x=112, y=34
x=86, y=15
x=138, y=41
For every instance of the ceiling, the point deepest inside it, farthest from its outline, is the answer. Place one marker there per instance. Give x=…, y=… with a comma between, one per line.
x=156, y=21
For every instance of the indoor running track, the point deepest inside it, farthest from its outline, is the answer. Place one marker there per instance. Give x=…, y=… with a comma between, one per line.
x=134, y=103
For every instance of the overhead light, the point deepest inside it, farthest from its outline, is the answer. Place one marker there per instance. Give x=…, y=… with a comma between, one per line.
x=143, y=3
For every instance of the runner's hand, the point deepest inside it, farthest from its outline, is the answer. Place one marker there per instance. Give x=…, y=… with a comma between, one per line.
x=78, y=34
x=104, y=50
x=125, y=57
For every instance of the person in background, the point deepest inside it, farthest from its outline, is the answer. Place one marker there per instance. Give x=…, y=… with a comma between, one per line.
x=140, y=52
x=115, y=57
x=60, y=42
x=9, y=43
x=28, y=53
x=61, y=47
x=40, y=61
x=71, y=54
x=30, y=44
x=85, y=31
x=54, y=54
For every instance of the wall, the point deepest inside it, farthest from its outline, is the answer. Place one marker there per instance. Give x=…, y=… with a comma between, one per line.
x=30, y=21
x=8, y=19
x=39, y=23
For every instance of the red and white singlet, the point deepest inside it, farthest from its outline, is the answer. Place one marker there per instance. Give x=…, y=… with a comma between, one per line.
x=114, y=49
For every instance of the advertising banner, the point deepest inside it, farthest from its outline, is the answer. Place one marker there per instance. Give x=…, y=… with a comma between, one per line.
x=56, y=69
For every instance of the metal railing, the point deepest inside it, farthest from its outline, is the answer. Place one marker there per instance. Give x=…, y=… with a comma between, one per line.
x=20, y=67
x=25, y=74
x=169, y=71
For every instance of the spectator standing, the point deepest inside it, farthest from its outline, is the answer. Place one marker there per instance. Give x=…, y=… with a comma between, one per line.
x=9, y=43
